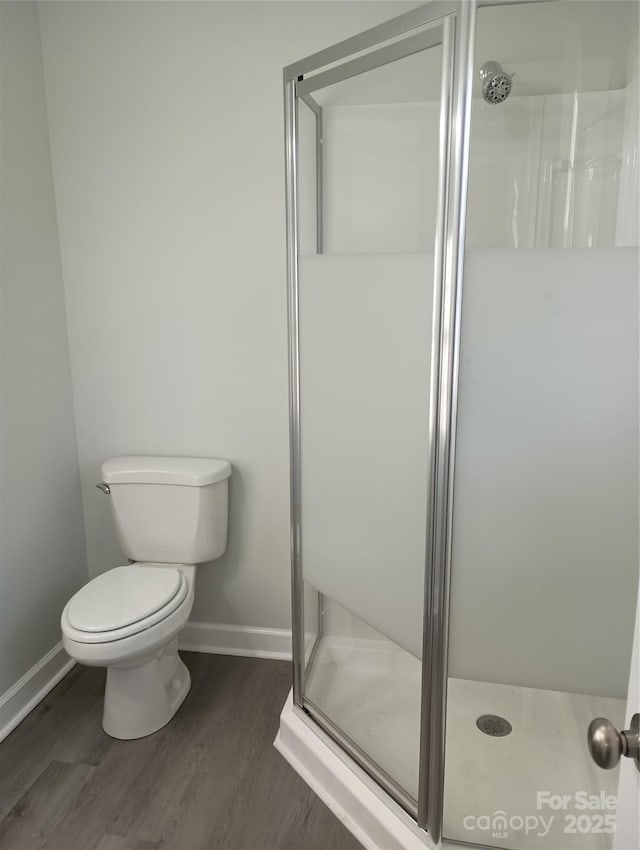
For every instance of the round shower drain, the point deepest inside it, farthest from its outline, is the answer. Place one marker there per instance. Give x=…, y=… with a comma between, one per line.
x=492, y=724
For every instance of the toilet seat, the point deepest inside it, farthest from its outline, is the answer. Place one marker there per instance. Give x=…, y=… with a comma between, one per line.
x=123, y=602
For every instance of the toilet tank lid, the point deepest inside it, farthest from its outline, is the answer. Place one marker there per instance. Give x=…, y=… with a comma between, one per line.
x=188, y=471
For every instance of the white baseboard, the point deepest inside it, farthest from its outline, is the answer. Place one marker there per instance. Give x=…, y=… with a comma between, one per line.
x=32, y=688
x=36, y=683
x=236, y=640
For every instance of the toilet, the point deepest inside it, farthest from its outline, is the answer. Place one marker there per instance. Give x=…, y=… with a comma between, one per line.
x=170, y=514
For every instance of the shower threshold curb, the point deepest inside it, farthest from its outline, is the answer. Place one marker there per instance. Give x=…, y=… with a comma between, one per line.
x=374, y=819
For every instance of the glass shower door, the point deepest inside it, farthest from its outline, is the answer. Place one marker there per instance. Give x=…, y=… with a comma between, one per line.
x=371, y=137
x=544, y=555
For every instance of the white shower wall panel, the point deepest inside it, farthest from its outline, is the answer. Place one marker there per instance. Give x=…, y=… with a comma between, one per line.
x=546, y=480
x=545, y=171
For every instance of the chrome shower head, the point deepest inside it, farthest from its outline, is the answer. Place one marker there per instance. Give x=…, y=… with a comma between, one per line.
x=496, y=85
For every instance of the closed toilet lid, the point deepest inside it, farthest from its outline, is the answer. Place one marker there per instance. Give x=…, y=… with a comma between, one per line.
x=121, y=597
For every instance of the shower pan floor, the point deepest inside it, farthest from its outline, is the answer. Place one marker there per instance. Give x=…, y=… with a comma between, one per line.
x=371, y=690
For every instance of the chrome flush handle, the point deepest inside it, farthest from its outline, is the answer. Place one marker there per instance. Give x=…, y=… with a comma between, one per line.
x=104, y=487
x=606, y=744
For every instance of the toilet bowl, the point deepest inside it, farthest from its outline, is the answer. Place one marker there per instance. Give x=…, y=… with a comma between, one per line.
x=146, y=679
x=128, y=619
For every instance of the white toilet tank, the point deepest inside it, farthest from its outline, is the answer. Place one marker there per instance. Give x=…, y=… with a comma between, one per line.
x=169, y=510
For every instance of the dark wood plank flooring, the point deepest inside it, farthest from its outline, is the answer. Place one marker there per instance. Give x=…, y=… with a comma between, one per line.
x=210, y=780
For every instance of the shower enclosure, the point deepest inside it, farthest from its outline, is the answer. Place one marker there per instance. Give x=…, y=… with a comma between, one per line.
x=462, y=229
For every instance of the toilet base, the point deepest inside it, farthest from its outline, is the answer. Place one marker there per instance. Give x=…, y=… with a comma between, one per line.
x=142, y=696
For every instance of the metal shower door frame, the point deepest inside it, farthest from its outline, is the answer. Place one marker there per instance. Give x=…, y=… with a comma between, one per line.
x=445, y=346
x=458, y=31
x=298, y=86
x=445, y=362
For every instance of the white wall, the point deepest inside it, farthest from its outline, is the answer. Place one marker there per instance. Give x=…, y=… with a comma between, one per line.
x=166, y=134
x=167, y=146
x=42, y=550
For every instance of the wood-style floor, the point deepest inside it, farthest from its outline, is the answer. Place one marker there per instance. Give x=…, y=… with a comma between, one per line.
x=210, y=780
